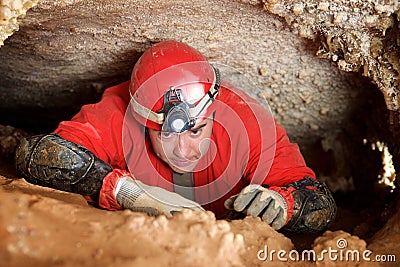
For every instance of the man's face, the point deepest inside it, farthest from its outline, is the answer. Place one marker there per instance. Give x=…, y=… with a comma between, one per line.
x=183, y=151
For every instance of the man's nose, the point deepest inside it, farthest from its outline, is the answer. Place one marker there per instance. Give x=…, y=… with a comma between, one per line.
x=184, y=146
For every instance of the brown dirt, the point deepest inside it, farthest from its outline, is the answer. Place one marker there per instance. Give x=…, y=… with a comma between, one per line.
x=45, y=227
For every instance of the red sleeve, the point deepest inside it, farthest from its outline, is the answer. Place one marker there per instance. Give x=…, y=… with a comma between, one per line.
x=288, y=164
x=273, y=159
x=98, y=127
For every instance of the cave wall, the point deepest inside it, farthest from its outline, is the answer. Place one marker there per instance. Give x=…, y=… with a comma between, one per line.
x=360, y=36
x=10, y=11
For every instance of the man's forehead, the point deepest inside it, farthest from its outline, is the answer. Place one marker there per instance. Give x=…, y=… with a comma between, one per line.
x=201, y=120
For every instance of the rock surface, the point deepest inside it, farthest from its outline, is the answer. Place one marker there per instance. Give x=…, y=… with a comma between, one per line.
x=10, y=11
x=360, y=36
x=45, y=227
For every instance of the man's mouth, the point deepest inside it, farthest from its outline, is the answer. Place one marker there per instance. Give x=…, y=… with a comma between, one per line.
x=181, y=162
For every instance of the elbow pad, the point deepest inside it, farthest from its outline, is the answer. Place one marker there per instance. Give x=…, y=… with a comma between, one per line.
x=314, y=206
x=51, y=161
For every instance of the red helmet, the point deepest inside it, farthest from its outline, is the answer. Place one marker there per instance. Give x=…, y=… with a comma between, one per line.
x=174, y=83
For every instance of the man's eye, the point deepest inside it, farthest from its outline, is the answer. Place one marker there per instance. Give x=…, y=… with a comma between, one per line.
x=166, y=135
x=195, y=132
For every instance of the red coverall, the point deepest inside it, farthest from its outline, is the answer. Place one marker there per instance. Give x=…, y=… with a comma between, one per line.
x=247, y=147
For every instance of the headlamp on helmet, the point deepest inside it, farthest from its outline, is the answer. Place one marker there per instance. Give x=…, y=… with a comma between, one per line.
x=176, y=112
x=180, y=116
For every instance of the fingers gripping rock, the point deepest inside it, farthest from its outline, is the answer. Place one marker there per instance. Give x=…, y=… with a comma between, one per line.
x=134, y=195
x=255, y=200
x=246, y=196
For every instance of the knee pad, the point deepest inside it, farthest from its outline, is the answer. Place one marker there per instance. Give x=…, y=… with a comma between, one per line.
x=49, y=160
x=314, y=206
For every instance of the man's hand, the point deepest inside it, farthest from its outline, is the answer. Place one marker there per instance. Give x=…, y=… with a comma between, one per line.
x=256, y=200
x=134, y=195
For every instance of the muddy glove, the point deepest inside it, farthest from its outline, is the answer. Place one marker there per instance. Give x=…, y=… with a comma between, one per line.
x=136, y=196
x=255, y=200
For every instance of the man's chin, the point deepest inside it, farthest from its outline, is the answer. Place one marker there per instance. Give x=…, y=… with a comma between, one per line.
x=182, y=170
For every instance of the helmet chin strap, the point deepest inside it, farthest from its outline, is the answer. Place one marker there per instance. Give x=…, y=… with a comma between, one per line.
x=177, y=115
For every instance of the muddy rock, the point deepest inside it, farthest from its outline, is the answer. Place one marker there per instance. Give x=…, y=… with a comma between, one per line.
x=45, y=227
x=340, y=249
x=385, y=242
x=9, y=139
x=10, y=11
